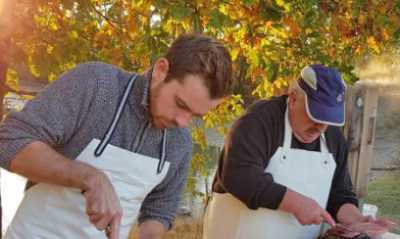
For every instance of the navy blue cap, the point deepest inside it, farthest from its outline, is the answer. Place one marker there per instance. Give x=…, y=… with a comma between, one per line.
x=325, y=93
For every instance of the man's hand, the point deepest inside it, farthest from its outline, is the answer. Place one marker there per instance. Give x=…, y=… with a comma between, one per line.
x=102, y=205
x=151, y=229
x=40, y=163
x=373, y=227
x=350, y=216
x=306, y=210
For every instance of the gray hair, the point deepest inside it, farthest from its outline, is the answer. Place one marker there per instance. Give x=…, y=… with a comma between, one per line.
x=295, y=88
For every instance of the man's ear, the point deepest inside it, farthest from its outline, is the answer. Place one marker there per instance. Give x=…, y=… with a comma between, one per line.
x=160, y=71
x=292, y=97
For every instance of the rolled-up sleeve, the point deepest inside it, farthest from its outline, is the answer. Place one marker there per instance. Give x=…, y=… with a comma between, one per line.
x=52, y=116
x=163, y=201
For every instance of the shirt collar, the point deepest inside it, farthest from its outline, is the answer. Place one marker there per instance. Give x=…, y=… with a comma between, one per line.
x=145, y=102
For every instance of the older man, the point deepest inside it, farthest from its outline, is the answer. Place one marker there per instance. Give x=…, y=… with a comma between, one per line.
x=283, y=170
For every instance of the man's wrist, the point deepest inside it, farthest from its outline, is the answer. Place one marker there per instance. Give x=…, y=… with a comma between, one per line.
x=87, y=176
x=287, y=204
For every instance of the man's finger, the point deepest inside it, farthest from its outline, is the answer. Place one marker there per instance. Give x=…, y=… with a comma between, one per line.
x=317, y=220
x=371, y=229
x=385, y=222
x=92, y=208
x=93, y=218
x=328, y=218
x=113, y=232
x=102, y=223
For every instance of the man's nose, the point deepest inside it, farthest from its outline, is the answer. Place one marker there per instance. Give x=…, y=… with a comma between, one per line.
x=183, y=119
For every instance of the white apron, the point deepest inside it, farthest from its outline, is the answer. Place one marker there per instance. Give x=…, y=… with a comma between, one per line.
x=56, y=212
x=307, y=172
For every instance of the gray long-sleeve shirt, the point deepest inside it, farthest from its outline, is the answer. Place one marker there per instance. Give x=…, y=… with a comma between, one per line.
x=79, y=106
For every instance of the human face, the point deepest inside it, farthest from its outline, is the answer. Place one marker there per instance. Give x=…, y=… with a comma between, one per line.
x=175, y=103
x=304, y=129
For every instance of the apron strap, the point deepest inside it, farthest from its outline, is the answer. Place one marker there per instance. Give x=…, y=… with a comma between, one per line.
x=117, y=115
x=287, y=140
x=161, y=162
x=324, y=145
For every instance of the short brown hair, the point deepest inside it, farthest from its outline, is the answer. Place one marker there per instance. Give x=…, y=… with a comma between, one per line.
x=197, y=54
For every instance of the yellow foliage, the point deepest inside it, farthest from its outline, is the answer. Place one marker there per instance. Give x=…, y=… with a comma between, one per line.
x=49, y=49
x=385, y=35
x=199, y=137
x=73, y=34
x=268, y=40
x=12, y=79
x=372, y=44
x=293, y=26
x=52, y=77
x=229, y=110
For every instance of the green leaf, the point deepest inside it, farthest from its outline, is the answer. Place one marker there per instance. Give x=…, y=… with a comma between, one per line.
x=248, y=3
x=217, y=19
x=270, y=13
x=396, y=34
x=180, y=12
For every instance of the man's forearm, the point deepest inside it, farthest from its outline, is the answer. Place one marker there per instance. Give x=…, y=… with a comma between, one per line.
x=40, y=163
x=348, y=214
x=151, y=229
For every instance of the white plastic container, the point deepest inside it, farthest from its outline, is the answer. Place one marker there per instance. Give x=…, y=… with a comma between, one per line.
x=369, y=210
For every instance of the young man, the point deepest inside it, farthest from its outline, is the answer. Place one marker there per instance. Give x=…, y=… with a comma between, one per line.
x=284, y=171
x=106, y=147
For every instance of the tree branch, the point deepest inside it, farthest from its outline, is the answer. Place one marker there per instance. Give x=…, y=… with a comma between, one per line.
x=107, y=19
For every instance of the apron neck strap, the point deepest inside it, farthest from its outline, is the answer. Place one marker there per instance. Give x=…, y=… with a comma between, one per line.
x=117, y=115
x=287, y=140
x=161, y=163
x=323, y=145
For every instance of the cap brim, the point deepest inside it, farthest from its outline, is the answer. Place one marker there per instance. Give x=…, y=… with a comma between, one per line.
x=330, y=115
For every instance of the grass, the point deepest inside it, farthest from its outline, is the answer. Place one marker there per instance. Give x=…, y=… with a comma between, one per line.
x=384, y=192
